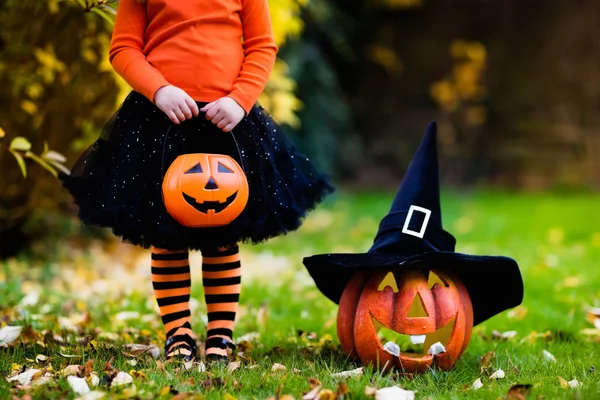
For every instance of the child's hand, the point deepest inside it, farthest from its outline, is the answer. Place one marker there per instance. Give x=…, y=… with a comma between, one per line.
x=226, y=113
x=176, y=103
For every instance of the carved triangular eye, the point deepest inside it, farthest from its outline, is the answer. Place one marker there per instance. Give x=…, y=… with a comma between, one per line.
x=223, y=169
x=196, y=169
x=435, y=279
x=417, y=308
x=388, y=281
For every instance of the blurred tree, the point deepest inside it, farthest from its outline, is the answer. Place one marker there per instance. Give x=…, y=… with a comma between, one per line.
x=54, y=89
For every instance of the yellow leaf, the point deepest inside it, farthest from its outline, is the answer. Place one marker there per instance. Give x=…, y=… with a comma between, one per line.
x=563, y=382
x=2, y=133
x=229, y=397
x=29, y=107
x=165, y=391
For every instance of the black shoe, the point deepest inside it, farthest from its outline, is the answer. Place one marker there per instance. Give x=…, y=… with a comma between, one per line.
x=189, y=345
x=221, y=343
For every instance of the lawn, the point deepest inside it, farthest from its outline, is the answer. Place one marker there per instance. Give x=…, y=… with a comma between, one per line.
x=83, y=304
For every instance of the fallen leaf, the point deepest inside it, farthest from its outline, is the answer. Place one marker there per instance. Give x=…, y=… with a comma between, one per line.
x=78, y=385
x=347, y=374
x=370, y=391
x=517, y=313
x=188, y=365
x=505, y=335
x=229, y=397
x=341, y=390
x=278, y=367
x=486, y=360
x=94, y=395
x=287, y=397
x=518, y=392
x=326, y=394
x=249, y=337
x=477, y=384
x=314, y=382
x=233, y=366
x=137, y=349
x=93, y=380
x=24, y=378
x=392, y=348
x=88, y=368
x=46, y=379
x=499, y=374
x=126, y=315
x=563, y=382
x=548, y=356
x=122, y=378
x=9, y=334
x=394, y=393
x=313, y=394
x=574, y=384
x=296, y=371
x=201, y=367
x=132, y=362
x=40, y=358
x=72, y=370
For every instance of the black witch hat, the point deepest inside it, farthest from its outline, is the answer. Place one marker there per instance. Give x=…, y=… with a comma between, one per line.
x=411, y=237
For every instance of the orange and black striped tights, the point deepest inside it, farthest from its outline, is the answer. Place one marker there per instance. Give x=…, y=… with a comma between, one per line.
x=221, y=277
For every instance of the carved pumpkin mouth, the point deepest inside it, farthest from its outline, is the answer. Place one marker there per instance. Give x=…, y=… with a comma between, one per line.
x=204, y=207
x=414, y=346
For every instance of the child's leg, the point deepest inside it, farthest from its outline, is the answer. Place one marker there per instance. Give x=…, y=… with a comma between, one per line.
x=171, y=280
x=221, y=276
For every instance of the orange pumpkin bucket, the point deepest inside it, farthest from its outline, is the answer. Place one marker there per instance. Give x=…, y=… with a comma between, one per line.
x=204, y=190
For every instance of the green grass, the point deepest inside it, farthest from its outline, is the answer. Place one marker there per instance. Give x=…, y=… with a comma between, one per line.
x=555, y=239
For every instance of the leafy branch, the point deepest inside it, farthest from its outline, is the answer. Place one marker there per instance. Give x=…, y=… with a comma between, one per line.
x=104, y=8
x=50, y=160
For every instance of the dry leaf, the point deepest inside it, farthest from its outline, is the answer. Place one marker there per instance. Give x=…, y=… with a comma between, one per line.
x=201, y=367
x=499, y=374
x=563, y=382
x=72, y=370
x=88, y=367
x=249, y=337
x=486, y=360
x=574, y=384
x=122, y=378
x=313, y=394
x=314, y=382
x=347, y=374
x=477, y=384
x=136, y=349
x=278, y=367
x=394, y=393
x=287, y=397
x=26, y=377
x=505, y=335
x=326, y=394
x=95, y=395
x=188, y=365
x=517, y=313
x=548, y=356
x=46, y=379
x=518, y=392
x=9, y=334
x=392, y=348
x=93, y=380
x=233, y=366
x=341, y=390
x=78, y=385
x=40, y=358
x=370, y=391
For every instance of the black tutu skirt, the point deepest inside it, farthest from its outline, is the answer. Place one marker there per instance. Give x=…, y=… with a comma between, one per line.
x=117, y=181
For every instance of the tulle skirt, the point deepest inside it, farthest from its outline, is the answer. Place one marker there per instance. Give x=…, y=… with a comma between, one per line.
x=117, y=181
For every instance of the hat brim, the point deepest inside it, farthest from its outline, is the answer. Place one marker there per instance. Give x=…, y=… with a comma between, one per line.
x=494, y=283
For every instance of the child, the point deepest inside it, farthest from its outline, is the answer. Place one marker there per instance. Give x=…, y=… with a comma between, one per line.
x=194, y=77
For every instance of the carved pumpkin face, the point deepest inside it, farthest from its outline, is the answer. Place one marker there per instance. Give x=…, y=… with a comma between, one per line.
x=413, y=309
x=205, y=190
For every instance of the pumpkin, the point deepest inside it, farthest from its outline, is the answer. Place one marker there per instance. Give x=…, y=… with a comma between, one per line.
x=420, y=308
x=205, y=190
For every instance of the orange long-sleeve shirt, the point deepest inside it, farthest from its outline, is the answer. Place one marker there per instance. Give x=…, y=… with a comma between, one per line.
x=195, y=45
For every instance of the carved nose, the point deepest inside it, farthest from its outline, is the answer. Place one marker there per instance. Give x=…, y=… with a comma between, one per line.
x=417, y=308
x=211, y=184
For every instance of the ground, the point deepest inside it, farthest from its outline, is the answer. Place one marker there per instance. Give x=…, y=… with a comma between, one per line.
x=83, y=303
